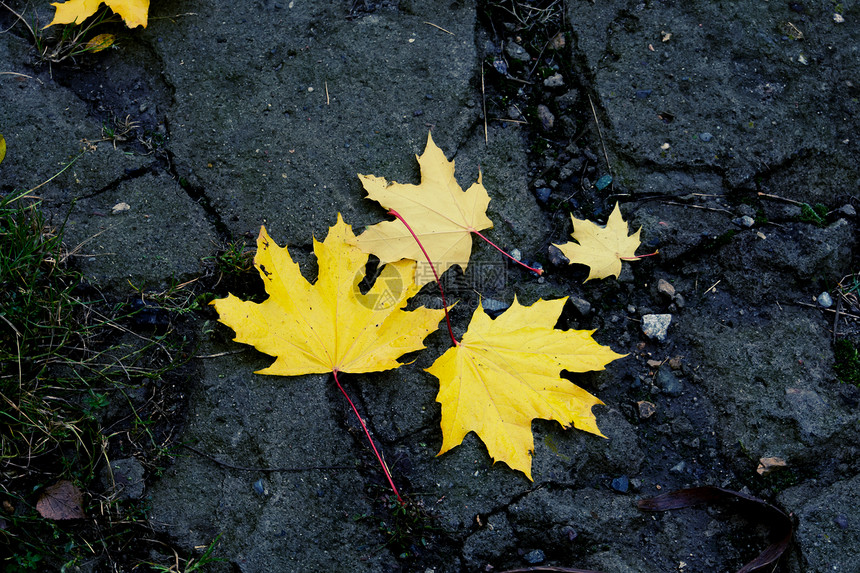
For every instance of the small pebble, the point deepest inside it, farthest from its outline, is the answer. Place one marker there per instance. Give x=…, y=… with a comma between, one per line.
x=547, y=119
x=642, y=94
x=669, y=383
x=841, y=521
x=745, y=221
x=556, y=257
x=515, y=113
x=656, y=326
x=603, y=182
x=847, y=210
x=705, y=136
x=517, y=52
x=620, y=484
x=535, y=557
x=543, y=194
x=554, y=81
x=501, y=66
x=120, y=208
x=259, y=488
x=665, y=288
x=679, y=468
x=516, y=254
x=646, y=409
x=582, y=306
x=825, y=300
x=570, y=532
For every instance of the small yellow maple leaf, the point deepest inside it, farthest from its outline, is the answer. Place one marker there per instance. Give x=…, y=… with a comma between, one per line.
x=505, y=373
x=133, y=12
x=329, y=325
x=601, y=248
x=2, y=148
x=442, y=215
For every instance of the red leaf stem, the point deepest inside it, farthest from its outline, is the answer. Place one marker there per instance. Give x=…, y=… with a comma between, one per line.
x=435, y=274
x=369, y=439
x=522, y=264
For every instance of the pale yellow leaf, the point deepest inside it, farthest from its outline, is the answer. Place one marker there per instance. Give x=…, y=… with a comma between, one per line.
x=601, y=248
x=442, y=215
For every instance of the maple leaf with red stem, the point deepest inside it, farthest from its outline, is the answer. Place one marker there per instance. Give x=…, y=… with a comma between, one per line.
x=330, y=326
x=442, y=216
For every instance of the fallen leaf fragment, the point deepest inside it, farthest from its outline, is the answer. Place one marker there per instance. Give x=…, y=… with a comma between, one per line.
x=63, y=500
x=329, y=325
x=133, y=12
x=767, y=465
x=442, y=215
x=505, y=373
x=100, y=42
x=601, y=248
x=2, y=148
x=781, y=526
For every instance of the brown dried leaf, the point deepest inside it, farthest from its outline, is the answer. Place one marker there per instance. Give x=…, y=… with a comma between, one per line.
x=63, y=500
x=781, y=526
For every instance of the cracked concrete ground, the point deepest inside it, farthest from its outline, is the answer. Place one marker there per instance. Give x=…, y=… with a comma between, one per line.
x=263, y=113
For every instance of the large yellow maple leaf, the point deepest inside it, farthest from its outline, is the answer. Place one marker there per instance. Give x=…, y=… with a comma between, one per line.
x=601, y=248
x=442, y=215
x=329, y=325
x=133, y=12
x=505, y=373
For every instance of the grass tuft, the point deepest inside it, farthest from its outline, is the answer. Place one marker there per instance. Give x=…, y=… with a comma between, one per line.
x=82, y=383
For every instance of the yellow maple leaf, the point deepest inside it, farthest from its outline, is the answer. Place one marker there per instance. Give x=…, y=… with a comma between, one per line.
x=2, y=148
x=329, y=325
x=442, y=215
x=601, y=248
x=505, y=373
x=133, y=12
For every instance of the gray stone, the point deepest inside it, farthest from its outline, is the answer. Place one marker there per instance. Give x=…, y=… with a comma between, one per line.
x=656, y=326
x=744, y=221
x=665, y=288
x=582, y=306
x=554, y=81
x=546, y=117
x=669, y=383
x=825, y=300
x=534, y=557
x=517, y=52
